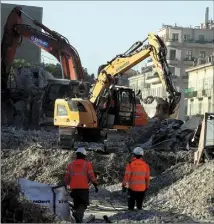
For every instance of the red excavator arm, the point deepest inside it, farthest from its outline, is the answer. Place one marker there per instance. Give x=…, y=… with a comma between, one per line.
x=51, y=41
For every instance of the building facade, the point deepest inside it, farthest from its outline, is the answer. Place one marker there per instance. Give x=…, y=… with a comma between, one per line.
x=200, y=91
x=185, y=46
x=27, y=50
x=124, y=80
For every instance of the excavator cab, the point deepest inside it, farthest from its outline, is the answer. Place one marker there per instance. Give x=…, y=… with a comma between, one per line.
x=125, y=106
x=122, y=108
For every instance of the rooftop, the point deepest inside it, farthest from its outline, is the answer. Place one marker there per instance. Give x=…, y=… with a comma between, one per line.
x=203, y=26
x=200, y=66
x=208, y=24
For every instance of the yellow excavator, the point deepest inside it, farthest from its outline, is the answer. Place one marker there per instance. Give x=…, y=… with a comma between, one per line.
x=109, y=111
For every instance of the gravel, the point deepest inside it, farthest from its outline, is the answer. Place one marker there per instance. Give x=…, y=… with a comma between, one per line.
x=179, y=191
x=192, y=195
x=185, y=195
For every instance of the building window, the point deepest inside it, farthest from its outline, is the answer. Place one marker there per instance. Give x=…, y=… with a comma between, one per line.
x=172, y=54
x=188, y=55
x=201, y=37
x=206, y=83
x=175, y=37
x=186, y=37
x=202, y=54
x=61, y=110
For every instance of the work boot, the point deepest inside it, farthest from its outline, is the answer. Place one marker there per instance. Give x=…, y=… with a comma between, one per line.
x=77, y=218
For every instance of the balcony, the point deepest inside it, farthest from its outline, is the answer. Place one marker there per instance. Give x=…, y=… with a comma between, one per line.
x=172, y=61
x=172, y=42
x=203, y=43
x=190, y=93
x=201, y=93
x=188, y=61
x=208, y=92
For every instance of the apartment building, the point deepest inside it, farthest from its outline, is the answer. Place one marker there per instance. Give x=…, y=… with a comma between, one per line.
x=27, y=50
x=185, y=45
x=200, y=91
x=124, y=80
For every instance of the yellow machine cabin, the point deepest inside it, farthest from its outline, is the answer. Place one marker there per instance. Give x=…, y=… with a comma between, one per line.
x=110, y=109
x=74, y=112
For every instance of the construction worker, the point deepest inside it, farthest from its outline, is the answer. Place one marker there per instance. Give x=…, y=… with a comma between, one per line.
x=137, y=177
x=77, y=177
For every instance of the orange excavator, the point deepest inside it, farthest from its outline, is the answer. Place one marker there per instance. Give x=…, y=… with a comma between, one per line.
x=55, y=44
x=71, y=84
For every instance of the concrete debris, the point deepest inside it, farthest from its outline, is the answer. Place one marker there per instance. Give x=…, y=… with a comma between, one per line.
x=179, y=192
x=184, y=195
x=28, y=78
x=27, y=88
x=192, y=195
x=166, y=135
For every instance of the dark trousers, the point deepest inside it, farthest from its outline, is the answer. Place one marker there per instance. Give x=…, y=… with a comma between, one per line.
x=81, y=201
x=135, y=197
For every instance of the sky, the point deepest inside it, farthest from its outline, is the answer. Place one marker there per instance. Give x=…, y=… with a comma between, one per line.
x=100, y=30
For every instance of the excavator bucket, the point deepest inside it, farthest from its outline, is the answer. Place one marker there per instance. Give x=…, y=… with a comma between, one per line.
x=156, y=107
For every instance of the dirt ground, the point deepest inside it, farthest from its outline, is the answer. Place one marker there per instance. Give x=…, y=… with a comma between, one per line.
x=179, y=191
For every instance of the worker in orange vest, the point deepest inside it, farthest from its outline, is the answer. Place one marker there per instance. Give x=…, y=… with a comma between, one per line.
x=77, y=177
x=137, y=177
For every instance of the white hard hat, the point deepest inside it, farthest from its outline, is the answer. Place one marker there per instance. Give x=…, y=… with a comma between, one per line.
x=138, y=151
x=81, y=150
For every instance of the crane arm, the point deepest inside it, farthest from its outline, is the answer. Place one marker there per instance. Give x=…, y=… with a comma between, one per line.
x=155, y=49
x=51, y=41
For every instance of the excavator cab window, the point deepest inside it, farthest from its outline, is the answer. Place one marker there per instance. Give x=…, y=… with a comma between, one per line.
x=125, y=107
x=53, y=91
x=76, y=106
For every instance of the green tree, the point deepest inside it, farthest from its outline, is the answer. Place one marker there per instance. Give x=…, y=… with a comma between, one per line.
x=54, y=69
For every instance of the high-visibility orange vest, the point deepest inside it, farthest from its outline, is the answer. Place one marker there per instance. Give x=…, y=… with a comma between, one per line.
x=79, y=173
x=137, y=175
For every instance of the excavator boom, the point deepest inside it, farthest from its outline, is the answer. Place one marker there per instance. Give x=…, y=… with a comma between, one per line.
x=51, y=41
x=112, y=109
x=155, y=49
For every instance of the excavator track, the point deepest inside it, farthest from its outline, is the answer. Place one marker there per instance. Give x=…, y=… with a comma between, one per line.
x=109, y=141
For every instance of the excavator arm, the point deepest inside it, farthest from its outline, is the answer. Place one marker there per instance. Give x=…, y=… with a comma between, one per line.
x=155, y=49
x=50, y=41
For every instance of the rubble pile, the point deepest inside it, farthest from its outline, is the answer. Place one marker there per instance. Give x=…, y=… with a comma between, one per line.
x=181, y=194
x=13, y=138
x=16, y=209
x=36, y=156
x=192, y=195
x=169, y=134
x=27, y=87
